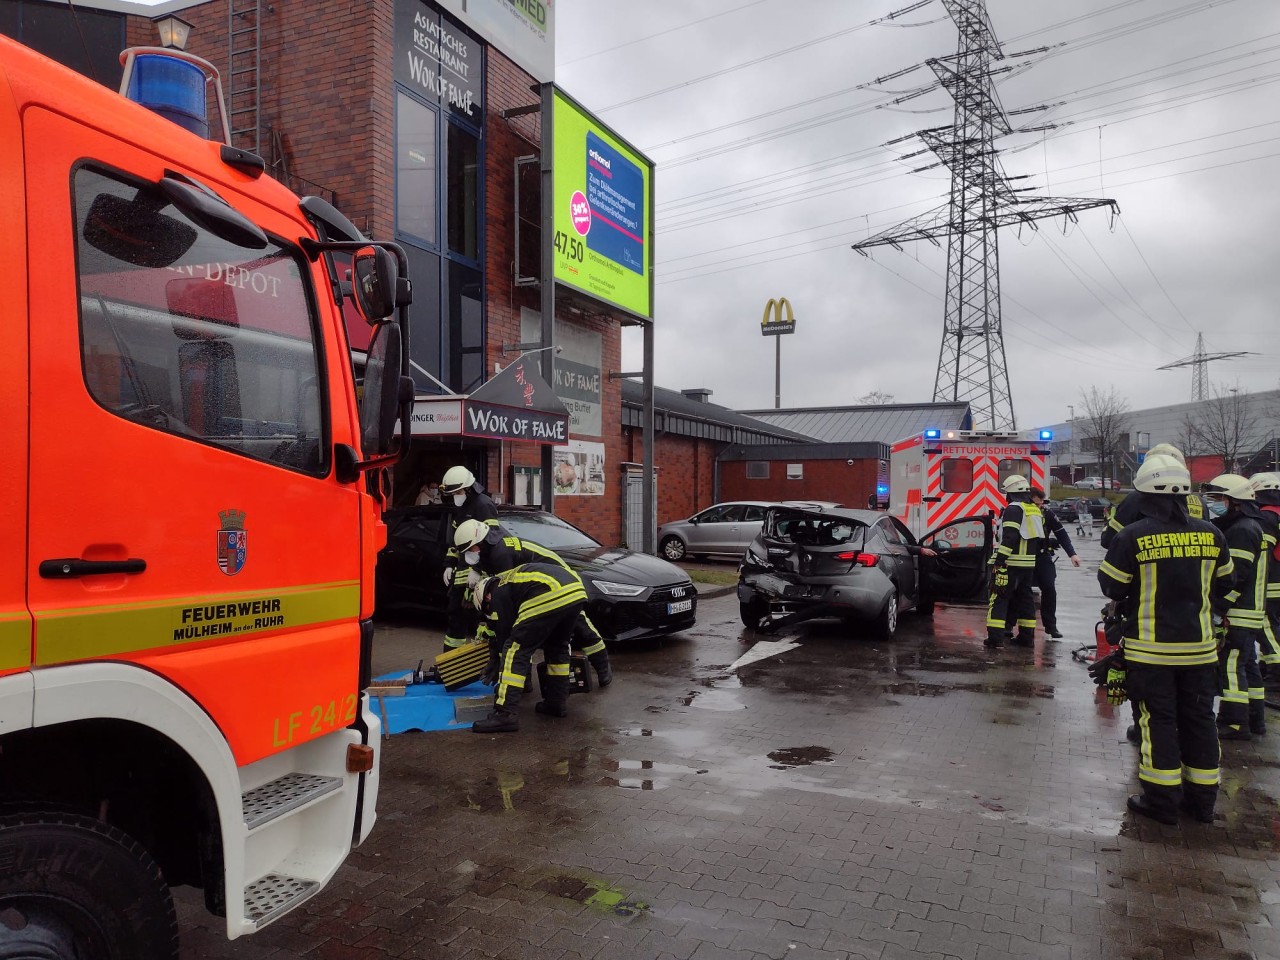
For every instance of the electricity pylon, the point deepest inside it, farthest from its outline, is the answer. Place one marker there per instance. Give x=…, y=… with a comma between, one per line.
x=971, y=362
x=1198, y=362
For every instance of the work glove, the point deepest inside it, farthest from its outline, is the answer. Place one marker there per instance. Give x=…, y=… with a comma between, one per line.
x=1116, y=692
x=473, y=577
x=1099, y=669
x=1000, y=580
x=448, y=576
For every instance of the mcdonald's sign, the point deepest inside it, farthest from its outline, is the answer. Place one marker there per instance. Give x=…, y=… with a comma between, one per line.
x=772, y=324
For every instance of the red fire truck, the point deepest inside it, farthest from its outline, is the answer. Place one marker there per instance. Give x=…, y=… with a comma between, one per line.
x=192, y=504
x=939, y=476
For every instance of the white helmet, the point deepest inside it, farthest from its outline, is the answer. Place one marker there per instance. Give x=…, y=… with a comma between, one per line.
x=479, y=593
x=469, y=534
x=1167, y=450
x=1265, y=481
x=456, y=480
x=1162, y=473
x=1016, y=484
x=1229, y=485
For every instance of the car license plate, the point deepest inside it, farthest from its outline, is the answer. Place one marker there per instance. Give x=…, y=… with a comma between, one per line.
x=680, y=606
x=774, y=585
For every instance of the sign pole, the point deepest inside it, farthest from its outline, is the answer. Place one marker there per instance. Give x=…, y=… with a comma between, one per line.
x=548, y=282
x=777, y=374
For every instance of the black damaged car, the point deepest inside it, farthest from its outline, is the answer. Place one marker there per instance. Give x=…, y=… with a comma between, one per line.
x=630, y=595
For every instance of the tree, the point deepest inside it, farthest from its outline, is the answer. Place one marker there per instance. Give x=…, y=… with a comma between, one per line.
x=1104, y=423
x=876, y=398
x=1224, y=426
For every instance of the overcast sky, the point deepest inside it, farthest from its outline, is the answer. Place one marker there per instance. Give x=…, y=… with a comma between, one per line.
x=771, y=163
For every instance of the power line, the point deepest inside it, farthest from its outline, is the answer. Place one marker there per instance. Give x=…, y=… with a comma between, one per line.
x=662, y=33
x=1146, y=264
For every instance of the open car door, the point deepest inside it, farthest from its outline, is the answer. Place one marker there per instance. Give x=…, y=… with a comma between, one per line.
x=958, y=574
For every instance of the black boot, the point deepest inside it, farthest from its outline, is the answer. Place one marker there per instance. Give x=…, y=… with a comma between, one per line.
x=1141, y=805
x=995, y=638
x=552, y=708
x=1132, y=734
x=1258, y=718
x=499, y=720
x=1197, y=812
x=1053, y=631
x=1021, y=639
x=604, y=672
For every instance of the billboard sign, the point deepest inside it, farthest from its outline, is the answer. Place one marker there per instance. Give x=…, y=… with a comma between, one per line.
x=523, y=30
x=603, y=220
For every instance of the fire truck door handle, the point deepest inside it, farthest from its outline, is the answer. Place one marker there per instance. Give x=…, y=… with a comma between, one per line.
x=75, y=567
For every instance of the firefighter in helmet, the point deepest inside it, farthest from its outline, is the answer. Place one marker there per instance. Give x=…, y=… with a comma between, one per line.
x=469, y=503
x=1046, y=576
x=531, y=607
x=1014, y=566
x=1126, y=511
x=491, y=550
x=1266, y=492
x=1242, y=714
x=1170, y=576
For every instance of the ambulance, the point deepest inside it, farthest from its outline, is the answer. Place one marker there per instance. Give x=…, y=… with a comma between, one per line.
x=191, y=497
x=940, y=476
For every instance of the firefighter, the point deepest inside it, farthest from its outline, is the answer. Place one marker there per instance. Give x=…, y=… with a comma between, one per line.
x=1243, y=713
x=1013, y=567
x=531, y=607
x=1266, y=491
x=1170, y=576
x=1126, y=511
x=490, y=550
x=1046, y=578
x=469, y=503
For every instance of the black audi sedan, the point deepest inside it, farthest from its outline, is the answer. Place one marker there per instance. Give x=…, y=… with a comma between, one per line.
x=630, y=595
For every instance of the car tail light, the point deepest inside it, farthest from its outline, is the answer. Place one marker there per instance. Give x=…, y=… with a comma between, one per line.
x=859, y=559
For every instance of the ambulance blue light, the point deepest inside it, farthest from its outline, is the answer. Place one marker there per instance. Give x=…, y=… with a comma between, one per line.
x=1046, y=434
x=932, y=434
x=882, y=489
x=173, y=88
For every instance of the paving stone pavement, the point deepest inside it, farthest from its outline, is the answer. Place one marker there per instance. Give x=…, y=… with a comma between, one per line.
x=921, y=798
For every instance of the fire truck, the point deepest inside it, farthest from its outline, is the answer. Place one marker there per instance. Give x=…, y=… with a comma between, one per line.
x=939, y=476
x=192, y=503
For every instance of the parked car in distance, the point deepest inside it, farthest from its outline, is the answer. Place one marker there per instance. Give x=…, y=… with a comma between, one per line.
x=630, y=595
x=1096, y=483
x=723, y=528
x=859, y=565
x=1064, y=510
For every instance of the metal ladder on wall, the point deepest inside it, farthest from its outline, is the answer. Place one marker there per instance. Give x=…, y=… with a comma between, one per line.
x=244, y=87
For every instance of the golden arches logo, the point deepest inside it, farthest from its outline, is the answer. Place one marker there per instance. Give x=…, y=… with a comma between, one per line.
x=771, y=323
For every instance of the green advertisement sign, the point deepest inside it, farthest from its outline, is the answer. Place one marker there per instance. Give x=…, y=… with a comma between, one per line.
x=603, y=224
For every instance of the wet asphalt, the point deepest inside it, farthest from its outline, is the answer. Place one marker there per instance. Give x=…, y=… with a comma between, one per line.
x=924, y=798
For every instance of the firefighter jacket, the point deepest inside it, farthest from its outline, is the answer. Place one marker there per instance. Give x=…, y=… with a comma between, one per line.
x=478, y=507
x=1055, y=535
x=532, y=590
x=1247, y=601
x=1269, y=517
x=1021, y=535
x=1129, y=509
x=500, y=551
x=1169, y=576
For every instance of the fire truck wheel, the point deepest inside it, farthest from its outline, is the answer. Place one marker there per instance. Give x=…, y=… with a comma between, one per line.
x=887, y=622
x=672, y=548
x=73, y=888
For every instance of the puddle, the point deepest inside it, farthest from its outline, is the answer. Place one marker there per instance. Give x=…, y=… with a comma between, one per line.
x=640, y=774
x=714, y=699
x=595, y=894
x=634, y=783
x=799, y=757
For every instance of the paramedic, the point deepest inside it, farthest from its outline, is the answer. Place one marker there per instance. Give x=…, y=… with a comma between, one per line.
x=1013, y=567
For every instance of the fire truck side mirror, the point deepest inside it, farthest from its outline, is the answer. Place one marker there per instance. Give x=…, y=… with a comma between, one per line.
x=375, y=284
x=383, y=391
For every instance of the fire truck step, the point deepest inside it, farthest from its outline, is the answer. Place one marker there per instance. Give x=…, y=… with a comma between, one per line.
x=269, y=897
x=271, y=800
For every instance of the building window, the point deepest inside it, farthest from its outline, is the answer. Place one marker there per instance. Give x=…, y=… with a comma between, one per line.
x=957, y=475
x=463, y=192
x=795, y=471
x=465, y=318
x=526, y=486
x=416, y=184
x=757, y=469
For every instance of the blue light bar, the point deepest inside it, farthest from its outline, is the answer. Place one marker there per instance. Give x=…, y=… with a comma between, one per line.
x=1046, y=434
x=932, y=434
x=882, y=489
x=173, y=88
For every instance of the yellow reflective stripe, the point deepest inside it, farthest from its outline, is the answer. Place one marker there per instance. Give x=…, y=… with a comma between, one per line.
x=1010, y=523
x=1242, y=554
x=1206, y=611
x=15, y=640
x=513, y=680
x=1144, y=735
x=1205, y=778
x=1030, y=624
x=539, y=550
x=1115, y=573
x=557, y=669
x=1174, y=660
x=85, y=633
x=1257, y=693
x=1162, y=778
x=1113, y=523
x=1227, y=569
x=1147, y=602
x=508, y=670
x=548, y=603
x=1251, y=619
x=1232, y=693
x=491, y=523
x=594, y=648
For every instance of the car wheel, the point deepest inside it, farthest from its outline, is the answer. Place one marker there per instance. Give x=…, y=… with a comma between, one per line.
x=887, y=622
x=672, y=548
x=752, y=612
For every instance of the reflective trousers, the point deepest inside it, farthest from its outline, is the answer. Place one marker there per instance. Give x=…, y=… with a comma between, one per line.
x=552, y=633
x=1243, y=696
x=1015, y=607
x=1178, y=742
x=1270, y=653
x=460, y=625
x=587, y=639
x=1047, y=580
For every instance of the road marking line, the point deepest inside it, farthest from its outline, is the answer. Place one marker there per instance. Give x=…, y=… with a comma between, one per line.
x=762, y=649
